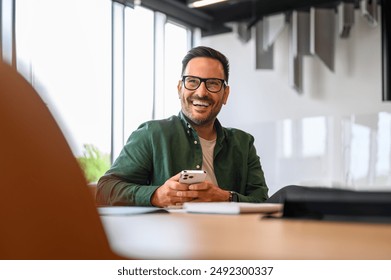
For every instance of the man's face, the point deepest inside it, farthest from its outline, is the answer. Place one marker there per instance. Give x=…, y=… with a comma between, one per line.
x=201, y=106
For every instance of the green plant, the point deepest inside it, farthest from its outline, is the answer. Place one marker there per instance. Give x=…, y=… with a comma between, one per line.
x=93, y=162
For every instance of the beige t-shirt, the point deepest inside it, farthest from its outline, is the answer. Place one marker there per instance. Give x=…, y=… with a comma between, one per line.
x=208, y=147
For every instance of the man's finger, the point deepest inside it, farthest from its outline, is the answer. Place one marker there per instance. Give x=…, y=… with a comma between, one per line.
x=192, y=194
x=198, y=187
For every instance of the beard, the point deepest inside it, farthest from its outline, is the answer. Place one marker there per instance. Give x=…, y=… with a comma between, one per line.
x=194, y=118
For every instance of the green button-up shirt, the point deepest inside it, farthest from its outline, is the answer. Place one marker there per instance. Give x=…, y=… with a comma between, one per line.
x=159, y=149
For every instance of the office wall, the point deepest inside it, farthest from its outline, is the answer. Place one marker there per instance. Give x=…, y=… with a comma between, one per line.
x=347, y=101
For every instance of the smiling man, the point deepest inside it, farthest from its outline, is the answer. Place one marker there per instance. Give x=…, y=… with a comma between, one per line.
x=147, y=171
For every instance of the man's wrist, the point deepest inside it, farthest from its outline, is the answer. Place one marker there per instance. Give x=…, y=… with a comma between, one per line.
x=233, y=197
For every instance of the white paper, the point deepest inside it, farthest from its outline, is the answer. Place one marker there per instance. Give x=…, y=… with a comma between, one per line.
x=231, y=207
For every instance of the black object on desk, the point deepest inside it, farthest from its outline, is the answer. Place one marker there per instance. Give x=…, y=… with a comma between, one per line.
x=335, y=204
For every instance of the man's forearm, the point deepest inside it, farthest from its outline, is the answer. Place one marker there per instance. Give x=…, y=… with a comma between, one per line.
x=112, y=190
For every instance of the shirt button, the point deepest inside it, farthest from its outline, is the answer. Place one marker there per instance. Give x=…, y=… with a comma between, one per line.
x=195, y=142
x=188, y=132
x=198, y=167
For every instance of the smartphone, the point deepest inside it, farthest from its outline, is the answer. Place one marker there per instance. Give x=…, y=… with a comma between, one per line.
x=192, y=176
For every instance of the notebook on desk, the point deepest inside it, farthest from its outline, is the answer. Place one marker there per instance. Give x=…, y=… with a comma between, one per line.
x=231, y=208
x=128, y=210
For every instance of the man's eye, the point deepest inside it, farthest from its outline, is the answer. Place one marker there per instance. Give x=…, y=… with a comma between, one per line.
x=213, y=82
x=192, y=81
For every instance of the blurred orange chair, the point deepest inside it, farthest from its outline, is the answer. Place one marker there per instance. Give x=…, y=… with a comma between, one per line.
x=46, y=208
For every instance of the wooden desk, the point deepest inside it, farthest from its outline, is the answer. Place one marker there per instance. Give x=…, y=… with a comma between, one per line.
x=203, y=236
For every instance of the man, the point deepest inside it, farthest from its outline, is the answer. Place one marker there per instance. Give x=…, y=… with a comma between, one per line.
x=147, y=171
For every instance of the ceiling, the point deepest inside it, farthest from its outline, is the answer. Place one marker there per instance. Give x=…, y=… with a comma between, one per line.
x=214, y=19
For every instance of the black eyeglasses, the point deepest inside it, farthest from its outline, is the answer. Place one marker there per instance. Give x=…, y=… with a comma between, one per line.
x=212, y=84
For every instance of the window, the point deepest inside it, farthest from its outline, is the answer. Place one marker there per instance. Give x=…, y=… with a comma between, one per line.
x=154, y=48
x=6, y=30
x=314, y=133
x=287, y=140
x=64, y=49
x=304, y=138
x=139, y=68
x=383, y=146
x=102, y=68
x=359, y=153
x=175, y=49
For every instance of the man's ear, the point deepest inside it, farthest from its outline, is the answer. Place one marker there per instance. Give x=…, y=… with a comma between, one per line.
x=226, y=94
x=179, y=88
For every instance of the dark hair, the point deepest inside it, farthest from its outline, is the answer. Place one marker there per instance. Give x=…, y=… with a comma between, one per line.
x=203, y=51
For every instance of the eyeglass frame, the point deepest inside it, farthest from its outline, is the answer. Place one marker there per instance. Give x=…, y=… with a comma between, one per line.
x=202, y=80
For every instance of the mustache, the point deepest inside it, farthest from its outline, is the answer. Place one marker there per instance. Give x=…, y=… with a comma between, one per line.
x=196, y=97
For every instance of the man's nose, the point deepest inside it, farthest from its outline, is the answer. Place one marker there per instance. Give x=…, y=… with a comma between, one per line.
x=202, y=90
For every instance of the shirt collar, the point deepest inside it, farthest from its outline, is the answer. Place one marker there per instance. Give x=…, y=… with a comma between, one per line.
x=217, y=124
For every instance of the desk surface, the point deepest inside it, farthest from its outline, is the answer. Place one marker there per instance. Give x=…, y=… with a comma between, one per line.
x=247, y=236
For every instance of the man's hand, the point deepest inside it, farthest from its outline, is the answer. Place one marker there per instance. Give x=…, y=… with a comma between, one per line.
x=166, y=195
x=204, y=192
x=175, y=193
